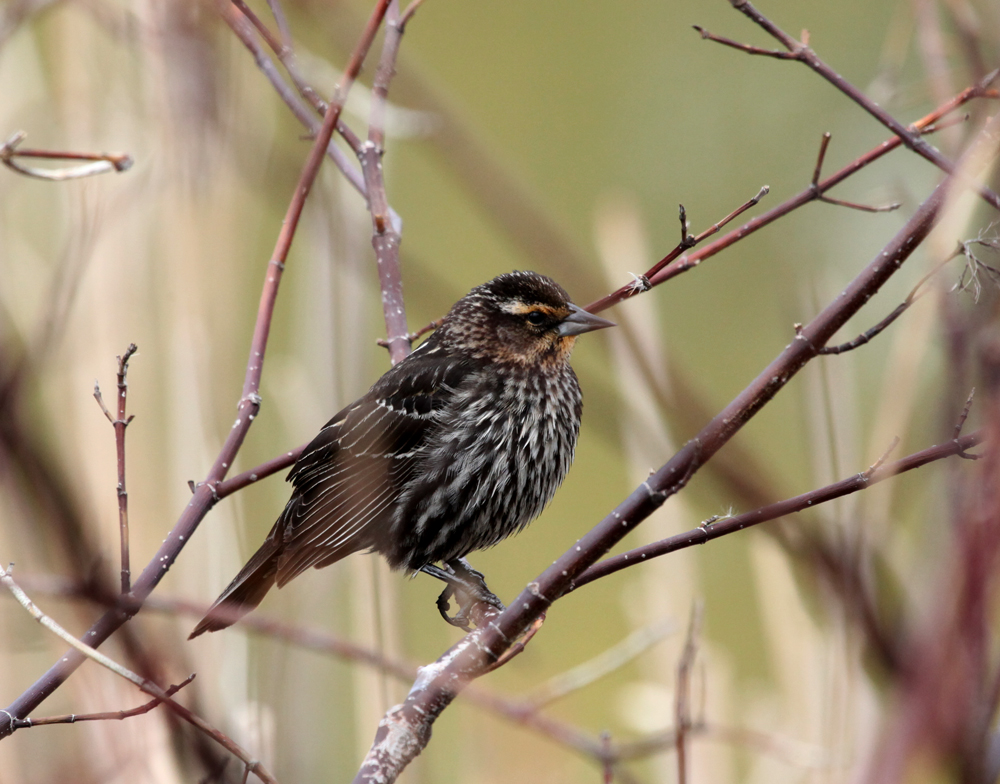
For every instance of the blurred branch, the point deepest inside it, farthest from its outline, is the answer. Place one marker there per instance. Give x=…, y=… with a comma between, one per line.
x=581, y=676
x=944, y=711
x=800, y=51
x=100, y=162
x=144, y=684
x=243, y=30
x=16, y=12
x=682, y=707
x=729, y=525
x=120, y=423
x=205, y=496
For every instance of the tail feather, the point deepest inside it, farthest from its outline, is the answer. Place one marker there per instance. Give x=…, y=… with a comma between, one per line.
x=245, y=592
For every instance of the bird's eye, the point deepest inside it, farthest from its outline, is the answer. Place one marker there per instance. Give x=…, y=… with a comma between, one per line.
x=536, y=318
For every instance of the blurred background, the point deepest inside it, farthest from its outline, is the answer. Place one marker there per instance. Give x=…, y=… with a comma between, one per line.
x=553, y=136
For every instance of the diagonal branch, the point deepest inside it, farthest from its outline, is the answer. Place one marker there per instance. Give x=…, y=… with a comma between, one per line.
x=800, y=51
x=144, y=684
x=713, y=530
x=691, y=260
x=205, y=496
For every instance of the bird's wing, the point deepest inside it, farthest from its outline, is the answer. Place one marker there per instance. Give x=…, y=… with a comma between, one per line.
x=348, y=478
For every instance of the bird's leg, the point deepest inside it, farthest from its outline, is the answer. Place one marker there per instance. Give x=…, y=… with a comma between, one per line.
x=467, y=586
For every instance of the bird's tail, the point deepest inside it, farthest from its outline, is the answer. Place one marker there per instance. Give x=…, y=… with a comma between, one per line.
x=246, y=590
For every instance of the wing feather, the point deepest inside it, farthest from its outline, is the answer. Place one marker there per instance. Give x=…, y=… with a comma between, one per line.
x=348, y=479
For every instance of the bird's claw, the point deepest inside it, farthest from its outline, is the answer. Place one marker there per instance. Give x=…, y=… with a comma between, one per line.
x=470, y=605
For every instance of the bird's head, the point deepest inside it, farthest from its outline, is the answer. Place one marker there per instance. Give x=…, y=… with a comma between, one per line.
x=518, y=317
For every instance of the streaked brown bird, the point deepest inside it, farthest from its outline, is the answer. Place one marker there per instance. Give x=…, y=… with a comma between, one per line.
x=454, y=449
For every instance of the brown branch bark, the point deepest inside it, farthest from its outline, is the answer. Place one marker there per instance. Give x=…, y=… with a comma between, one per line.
x=800, y=51
x=705, y=533
x=205, y=496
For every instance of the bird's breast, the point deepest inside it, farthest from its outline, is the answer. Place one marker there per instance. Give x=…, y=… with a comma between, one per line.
x=495, y=458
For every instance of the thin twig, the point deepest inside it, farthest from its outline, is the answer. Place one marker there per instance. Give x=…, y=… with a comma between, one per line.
x=828, y=199
x=100, y=162
x=789, y=506
x=408, y=13
x=800, y=51
x=144, y=684
x=120, y=423
x=249, y=403
x=74, y=718
x=641, y=283
x=411, y=336
x=916, y=293
x=964, y=415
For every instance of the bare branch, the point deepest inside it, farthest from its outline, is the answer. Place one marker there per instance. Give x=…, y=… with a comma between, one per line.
x=74, y=718
x=100, y=162
x=728, y=525
x=146, y=685
x=800, y=51
x=247, y=408
x=386, y=231
x=682, y=707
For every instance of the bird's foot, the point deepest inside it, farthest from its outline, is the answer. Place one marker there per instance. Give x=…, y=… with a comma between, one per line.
x=476, y=603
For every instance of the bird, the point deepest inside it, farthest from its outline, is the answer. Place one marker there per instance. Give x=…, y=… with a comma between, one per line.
x=452, y=450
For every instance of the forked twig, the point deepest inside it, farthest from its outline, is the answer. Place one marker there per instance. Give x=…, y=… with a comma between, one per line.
x=205, y=497
x=800, y=51
x=144, y=684
x=732, y=523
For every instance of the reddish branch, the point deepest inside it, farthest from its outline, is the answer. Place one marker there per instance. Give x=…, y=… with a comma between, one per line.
x=120, y=423
x=205, y=496
x=672, y=265
x=73, y=718
x=800, y=51
x=705, y=533
x=385, y=230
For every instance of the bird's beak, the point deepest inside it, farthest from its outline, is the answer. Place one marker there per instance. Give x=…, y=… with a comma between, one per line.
x=580, y=321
